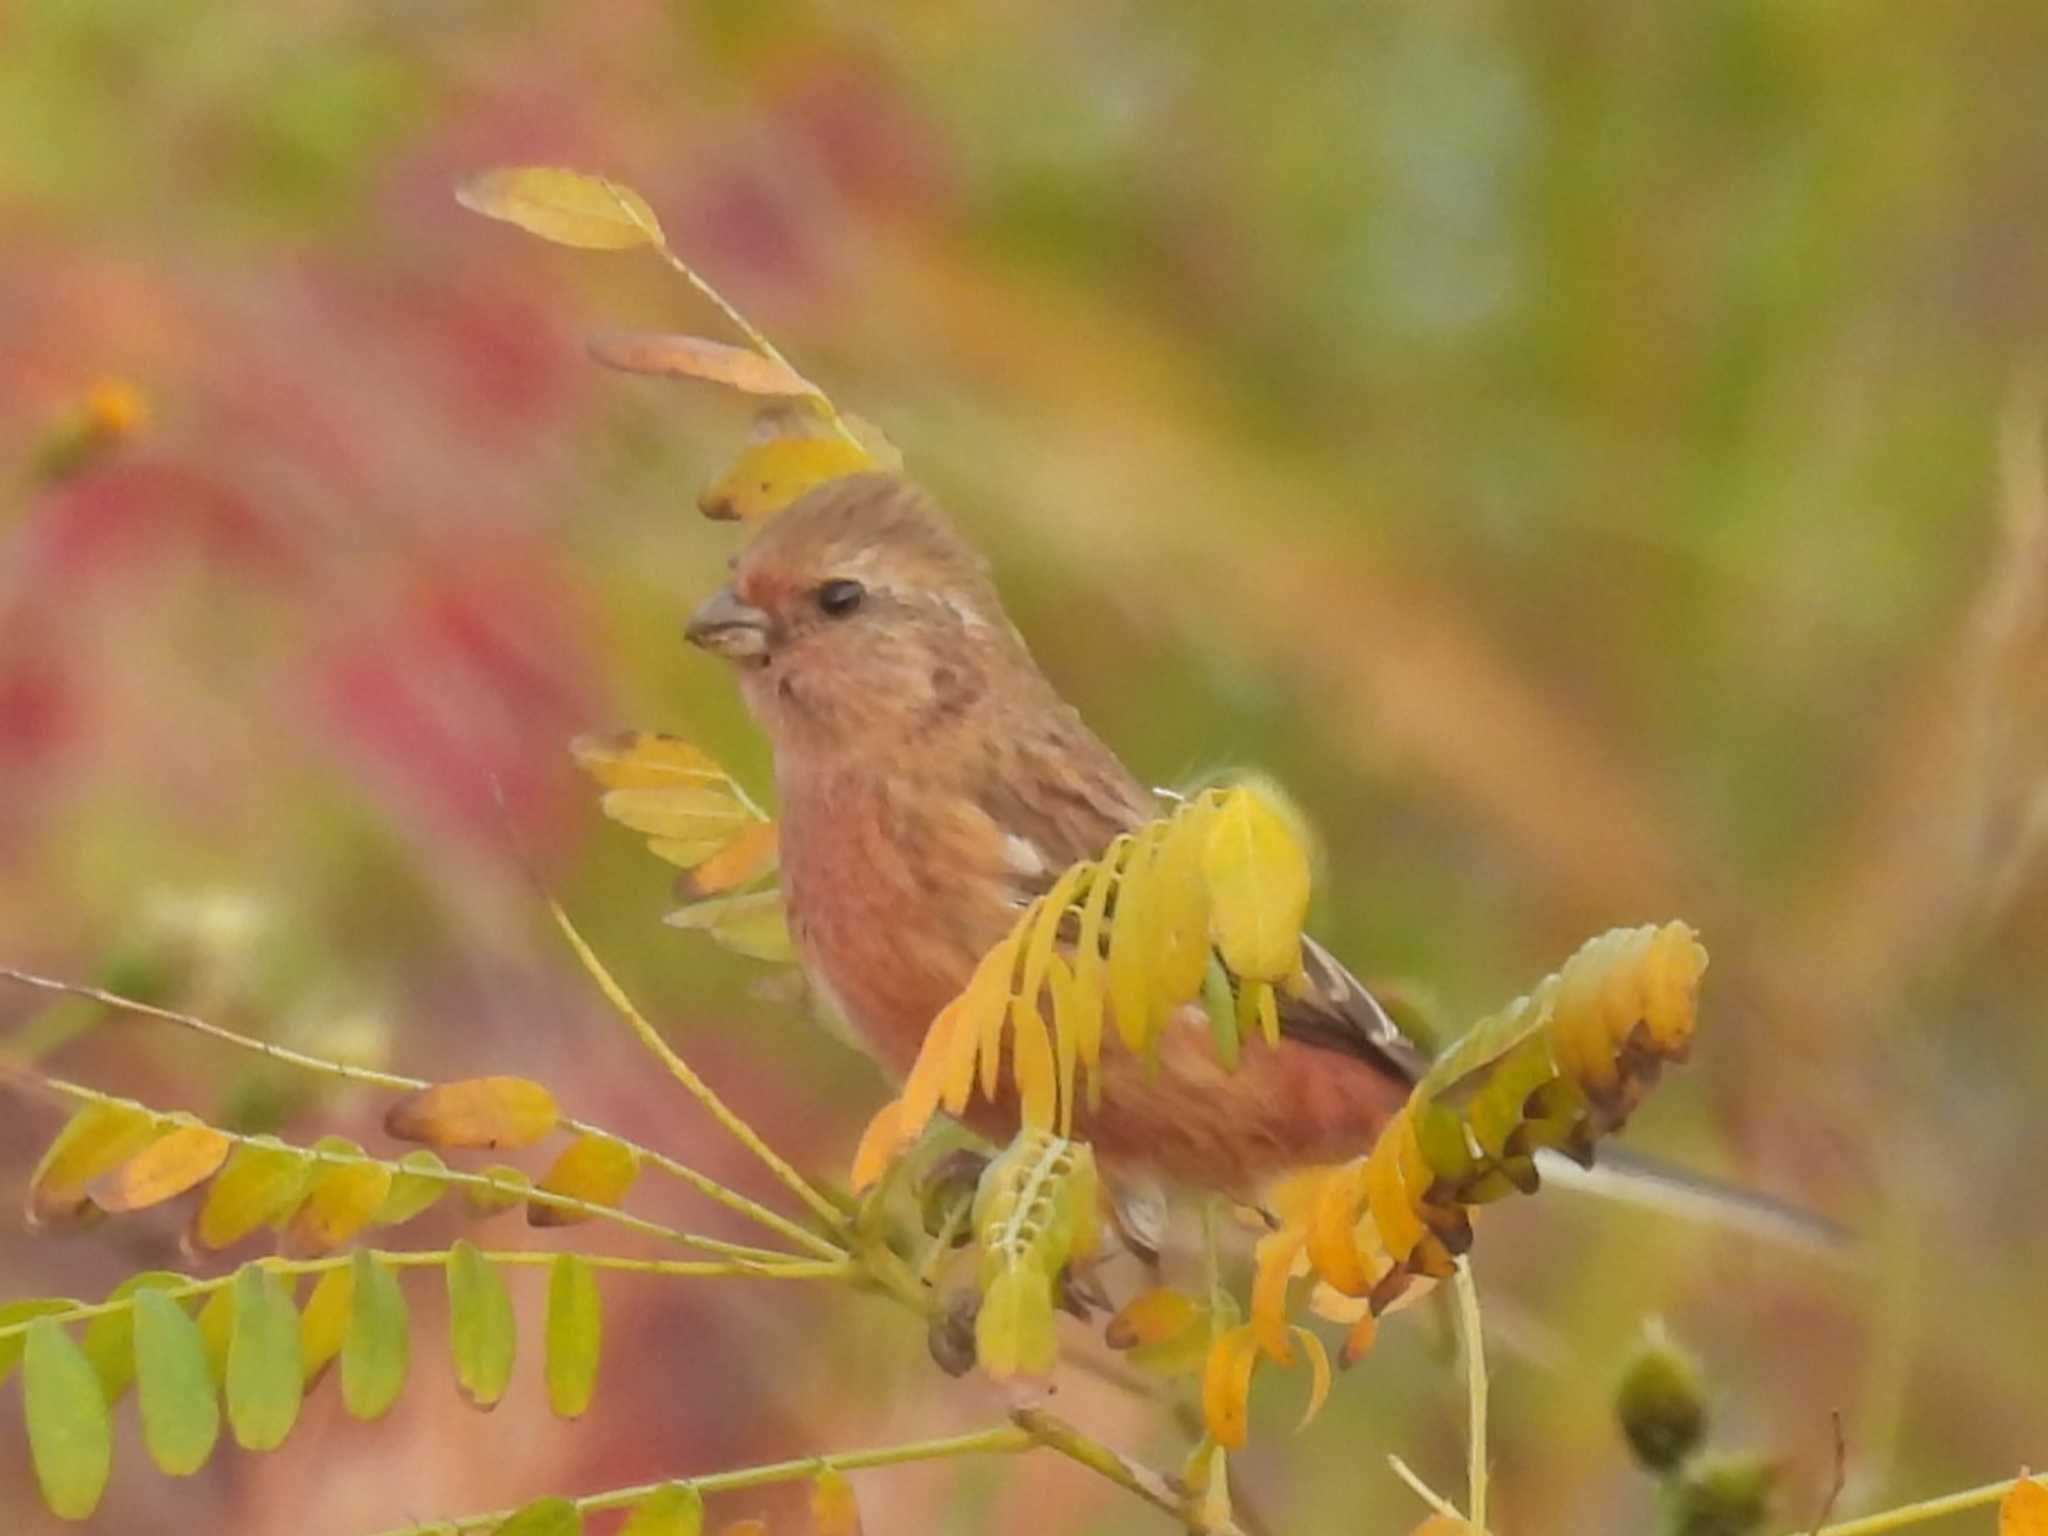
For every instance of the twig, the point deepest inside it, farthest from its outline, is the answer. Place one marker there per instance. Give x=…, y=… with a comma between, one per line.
x=1475, y=1389
x=1927, y=1509
x=1841, y=1476
x=1424, y=1492
x=1057, y=1434
x=697, y=1088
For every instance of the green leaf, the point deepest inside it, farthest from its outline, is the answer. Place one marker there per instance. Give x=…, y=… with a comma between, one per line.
x=480, y=1331
x=575, y=1334
x=1014, y=1334
x=110, y=1337
x=22, y=1312
x=674, y=1510
x=216, y=1328
x=413, y=1187
x=567, y=207
x=378, y=1348
x=545, y=1517
x=174, y=1388
x=264, y=1379
x=69, y=1436
x=1222, y=1010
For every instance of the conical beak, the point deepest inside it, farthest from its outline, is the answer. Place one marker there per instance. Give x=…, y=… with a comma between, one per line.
x=728, y=627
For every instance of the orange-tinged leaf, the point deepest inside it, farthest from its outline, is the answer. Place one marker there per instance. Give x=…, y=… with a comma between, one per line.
x=1393, y=1211
x=1276, y=1253
x=99, y=1138
x=341, y=1202
x=263, y=1180
x=1257, y=872
x=2024, y=1509
x=1359, y=1339
x=591, y=213
x=753, y=924
x=1227, y=1386
x=1441, y=1524
x=476, y=1112
x=1319, y=1376
x=1152, y=1317
x=880, y=1145
x=675, y=356
x=833, y=1509
x=185, y=1156
x=592, y=1167
x=768, y=476
x=925, y=1087
x=745, y=859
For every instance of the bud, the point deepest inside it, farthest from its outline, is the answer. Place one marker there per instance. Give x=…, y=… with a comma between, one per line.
x=1660, y=1403
x=946, y=1183
x=1727, y=1496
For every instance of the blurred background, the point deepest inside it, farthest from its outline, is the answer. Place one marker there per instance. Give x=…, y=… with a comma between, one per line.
x=1591, y=453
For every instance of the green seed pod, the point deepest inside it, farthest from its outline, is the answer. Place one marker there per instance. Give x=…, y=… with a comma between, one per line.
x=1725, y=1496
x=1660, y=1403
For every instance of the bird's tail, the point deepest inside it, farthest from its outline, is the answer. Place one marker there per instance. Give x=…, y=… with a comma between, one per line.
x=1632, y=1178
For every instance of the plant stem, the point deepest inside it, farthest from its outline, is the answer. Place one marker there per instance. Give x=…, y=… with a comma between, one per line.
x=697, y=1088
x=437, y=1258
x=1423, y=1491
x=1058, y=1435
x=1001, y=1439
x=1927, y=1509
x=1475, y=1390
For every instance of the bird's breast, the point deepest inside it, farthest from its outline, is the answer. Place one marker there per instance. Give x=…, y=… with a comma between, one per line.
x=895, y=888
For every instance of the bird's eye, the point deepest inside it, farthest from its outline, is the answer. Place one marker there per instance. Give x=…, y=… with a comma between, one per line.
x=840, y=597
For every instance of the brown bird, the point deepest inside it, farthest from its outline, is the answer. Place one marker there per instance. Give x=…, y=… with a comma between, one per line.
x=932, y=782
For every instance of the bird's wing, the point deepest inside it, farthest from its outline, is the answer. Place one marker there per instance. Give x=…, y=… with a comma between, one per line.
x=1063, y=797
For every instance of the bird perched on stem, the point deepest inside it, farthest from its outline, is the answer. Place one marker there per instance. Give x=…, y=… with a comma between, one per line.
x=932, y=782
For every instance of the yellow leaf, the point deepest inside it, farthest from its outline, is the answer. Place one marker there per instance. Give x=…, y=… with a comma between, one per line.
x=324, y=1322
x=1258, y=876
x=592, y=1167
x=880, y=1145
x=646, y=760
x=476, y=1112
x=750, y=855
x=2024, y=1509
x=680, y=814
x=1036, y=1075
x=100, y=1137
x=1227, y=1386
x=833, y=1510
x=768, y=476
x=1319, y=1377
x=183, y=1157
x=263, y=1181
x=753, y=925
x=1013, y=1334
x=1332, y=1243
x=567, y=207
x=693, y=357
x=1130, y=943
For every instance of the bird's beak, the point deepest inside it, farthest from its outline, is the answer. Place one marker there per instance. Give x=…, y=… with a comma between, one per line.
x=728, y=627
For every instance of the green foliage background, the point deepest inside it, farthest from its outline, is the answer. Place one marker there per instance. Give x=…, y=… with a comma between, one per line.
x=1568, y=445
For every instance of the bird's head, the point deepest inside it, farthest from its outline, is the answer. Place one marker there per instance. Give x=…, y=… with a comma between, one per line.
x=856, y=615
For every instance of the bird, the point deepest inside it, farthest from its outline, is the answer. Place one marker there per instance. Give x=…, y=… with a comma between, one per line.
x=931, y=782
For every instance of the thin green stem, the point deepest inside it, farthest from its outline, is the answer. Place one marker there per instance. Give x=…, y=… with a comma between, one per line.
x=696, y=1087
x=1058, y=1435
x=999, y=1440
x=437, y=1258
x=756, y=338
x=1927, y=1509
x=703, y=1183
x=1475, y=1389
x=1424, y=1492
